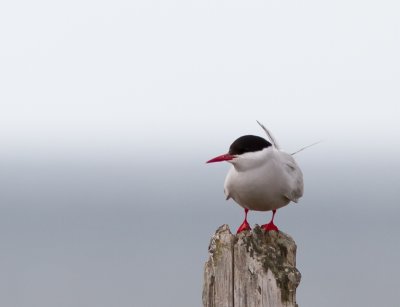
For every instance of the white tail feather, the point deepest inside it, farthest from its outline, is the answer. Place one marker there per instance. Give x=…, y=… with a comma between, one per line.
x=301, y=149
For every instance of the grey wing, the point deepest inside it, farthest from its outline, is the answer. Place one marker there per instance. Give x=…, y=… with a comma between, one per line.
x=295, y=179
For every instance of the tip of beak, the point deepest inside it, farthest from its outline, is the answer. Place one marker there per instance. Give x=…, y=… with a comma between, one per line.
x=224, y=157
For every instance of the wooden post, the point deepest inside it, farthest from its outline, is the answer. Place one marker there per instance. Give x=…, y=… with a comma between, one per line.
x=251, y=269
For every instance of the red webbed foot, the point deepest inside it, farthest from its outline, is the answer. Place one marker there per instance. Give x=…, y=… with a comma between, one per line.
x=245, y=226
x=270, y=226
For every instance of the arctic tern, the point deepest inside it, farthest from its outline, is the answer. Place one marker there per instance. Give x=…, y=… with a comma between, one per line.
x=262, y=176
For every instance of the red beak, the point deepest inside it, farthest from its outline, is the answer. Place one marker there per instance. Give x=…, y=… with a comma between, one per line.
x=224, y=157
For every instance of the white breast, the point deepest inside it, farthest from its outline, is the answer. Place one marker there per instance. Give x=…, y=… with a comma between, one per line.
x=264, y=180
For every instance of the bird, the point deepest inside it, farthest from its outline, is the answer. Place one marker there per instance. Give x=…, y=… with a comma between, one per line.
x=262, y=177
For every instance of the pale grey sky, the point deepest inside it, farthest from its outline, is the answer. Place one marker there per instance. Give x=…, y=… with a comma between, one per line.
x=96, y=72
x=108, y=111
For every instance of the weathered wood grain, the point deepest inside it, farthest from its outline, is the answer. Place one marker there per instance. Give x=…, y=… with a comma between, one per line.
x=251, y=269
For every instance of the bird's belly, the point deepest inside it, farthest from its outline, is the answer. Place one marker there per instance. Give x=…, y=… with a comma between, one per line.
x=259, y=201
x=254, y=194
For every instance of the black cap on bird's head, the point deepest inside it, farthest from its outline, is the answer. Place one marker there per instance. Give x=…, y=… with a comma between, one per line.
x=246, y=143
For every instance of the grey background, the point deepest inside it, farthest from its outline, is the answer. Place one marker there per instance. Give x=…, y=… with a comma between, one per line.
x=110, y=110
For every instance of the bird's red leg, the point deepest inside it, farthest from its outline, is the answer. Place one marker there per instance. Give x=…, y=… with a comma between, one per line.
x=245, y=225
x=270, y=225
